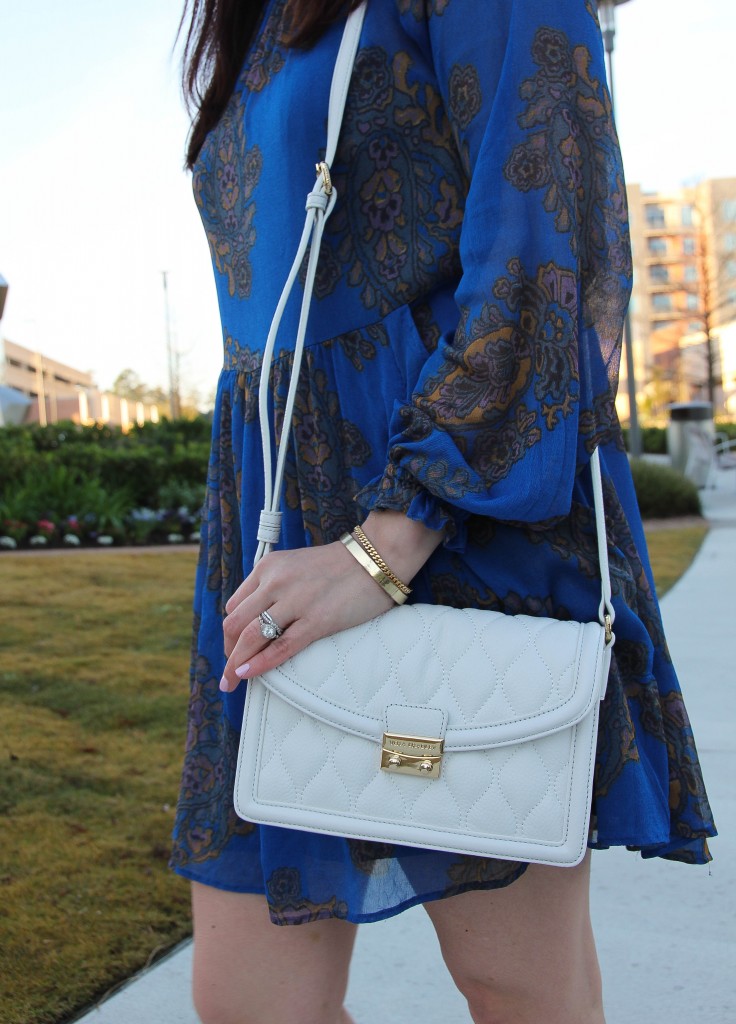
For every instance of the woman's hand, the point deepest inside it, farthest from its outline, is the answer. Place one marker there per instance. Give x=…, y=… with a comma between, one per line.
x=314, y=592
x=310, y=592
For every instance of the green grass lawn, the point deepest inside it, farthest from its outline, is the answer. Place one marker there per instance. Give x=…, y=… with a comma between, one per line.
x=671, y=552
x=93, y=691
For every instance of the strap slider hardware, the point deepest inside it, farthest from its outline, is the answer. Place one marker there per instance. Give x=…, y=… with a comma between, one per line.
x=324, y=170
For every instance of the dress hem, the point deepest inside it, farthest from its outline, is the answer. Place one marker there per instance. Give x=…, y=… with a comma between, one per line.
x=699, y=857
x=379, y=915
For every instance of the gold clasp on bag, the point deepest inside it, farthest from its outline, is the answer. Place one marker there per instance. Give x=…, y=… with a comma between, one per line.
x=412, y=755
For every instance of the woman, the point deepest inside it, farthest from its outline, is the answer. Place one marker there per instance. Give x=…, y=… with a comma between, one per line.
x=461, y=365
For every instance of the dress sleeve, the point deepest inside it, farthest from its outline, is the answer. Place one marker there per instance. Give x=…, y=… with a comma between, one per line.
x=511, y=404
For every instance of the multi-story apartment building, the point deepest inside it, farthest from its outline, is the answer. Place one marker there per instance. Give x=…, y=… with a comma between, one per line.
x=683, y=304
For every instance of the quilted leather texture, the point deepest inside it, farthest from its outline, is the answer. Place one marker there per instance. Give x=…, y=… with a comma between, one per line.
x=518, y=697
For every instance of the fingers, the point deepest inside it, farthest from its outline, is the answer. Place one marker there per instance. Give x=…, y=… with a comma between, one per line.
x=244, y=591
x=309, y=592
x=243, y=615
x=276, y=652
x=254, y=595
x=247, y=646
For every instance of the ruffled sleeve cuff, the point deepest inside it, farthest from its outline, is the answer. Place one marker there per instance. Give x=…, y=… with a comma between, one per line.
x=398, y=491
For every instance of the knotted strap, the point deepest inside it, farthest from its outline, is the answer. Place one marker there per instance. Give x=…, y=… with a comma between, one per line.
x=320, y=204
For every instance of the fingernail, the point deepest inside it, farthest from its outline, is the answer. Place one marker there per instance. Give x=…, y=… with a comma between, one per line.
x=242, y=670
x=224, y=684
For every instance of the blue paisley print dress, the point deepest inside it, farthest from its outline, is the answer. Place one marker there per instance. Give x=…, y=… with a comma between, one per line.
x=461, y=366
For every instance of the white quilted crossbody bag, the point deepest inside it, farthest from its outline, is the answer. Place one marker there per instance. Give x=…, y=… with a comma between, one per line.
x=462, y=730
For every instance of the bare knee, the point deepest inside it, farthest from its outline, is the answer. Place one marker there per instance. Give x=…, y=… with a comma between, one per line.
x=524, y=954
x=238, y=974
x=214, y=1004
x=493, y=1003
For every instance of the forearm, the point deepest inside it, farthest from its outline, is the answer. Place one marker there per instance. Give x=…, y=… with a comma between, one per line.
x=404, y=544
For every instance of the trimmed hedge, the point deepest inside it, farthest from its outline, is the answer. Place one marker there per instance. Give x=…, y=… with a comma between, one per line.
x=63, y=482
x=654, y=439
x=142, y=461
x=729, y=429
x=663, y=493
x=148, y=485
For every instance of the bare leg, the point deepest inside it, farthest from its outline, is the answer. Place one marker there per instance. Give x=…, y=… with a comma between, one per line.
x=249, y=971
x=524, y=954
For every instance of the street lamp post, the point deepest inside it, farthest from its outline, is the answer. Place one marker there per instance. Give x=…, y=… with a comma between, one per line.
x=607, y=14
x=173, y=359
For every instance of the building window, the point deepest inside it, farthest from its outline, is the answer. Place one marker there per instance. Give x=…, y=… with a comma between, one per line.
x=687, y=216
x=692, y=302
x=690, y=273
x=659, y=273
x=657, y=246
x=662, y=325
x=695, y=325
x=729, y=210
x=729, y=242
x=688, y=246
x=730, y=268
x=655, y=216
x=662, y=303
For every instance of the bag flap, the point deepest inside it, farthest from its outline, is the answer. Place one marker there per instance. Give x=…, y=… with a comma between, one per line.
x=496, y=678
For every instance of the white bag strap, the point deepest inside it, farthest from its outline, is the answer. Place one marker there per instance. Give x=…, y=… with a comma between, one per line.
x=606, y=614
x=320, y=204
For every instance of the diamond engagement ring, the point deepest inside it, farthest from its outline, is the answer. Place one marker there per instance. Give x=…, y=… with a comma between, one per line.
x=270, y=629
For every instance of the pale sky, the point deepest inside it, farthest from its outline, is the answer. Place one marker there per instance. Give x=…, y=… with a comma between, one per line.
x=94, y=203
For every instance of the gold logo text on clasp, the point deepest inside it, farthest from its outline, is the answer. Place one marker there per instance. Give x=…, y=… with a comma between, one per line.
x=412, y=755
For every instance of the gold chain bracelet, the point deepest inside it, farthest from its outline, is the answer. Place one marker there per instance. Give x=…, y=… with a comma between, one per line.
x=363, y=558
x=370, y=550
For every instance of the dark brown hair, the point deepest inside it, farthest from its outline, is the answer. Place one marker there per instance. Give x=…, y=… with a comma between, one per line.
x=217, y=41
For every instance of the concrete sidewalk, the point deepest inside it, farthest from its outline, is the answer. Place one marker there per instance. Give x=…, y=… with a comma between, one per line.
x=666, y=932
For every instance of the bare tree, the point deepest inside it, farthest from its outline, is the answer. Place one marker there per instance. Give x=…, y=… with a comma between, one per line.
x=688, y=363
x=717, y=305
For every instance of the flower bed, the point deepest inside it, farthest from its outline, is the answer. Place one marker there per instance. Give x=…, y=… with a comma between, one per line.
x=139, y=526
x=76, y=487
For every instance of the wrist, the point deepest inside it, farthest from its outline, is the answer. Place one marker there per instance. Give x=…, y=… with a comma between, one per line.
x=402, y=542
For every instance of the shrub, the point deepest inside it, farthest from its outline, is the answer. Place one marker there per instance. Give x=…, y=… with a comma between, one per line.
x=140, y=462
x=56, y=498
x=149, y=526
x=653, y=440
x=175, y=494
x=663, y=492
x=169, y=433
x=727, y=428
x=56, y=435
